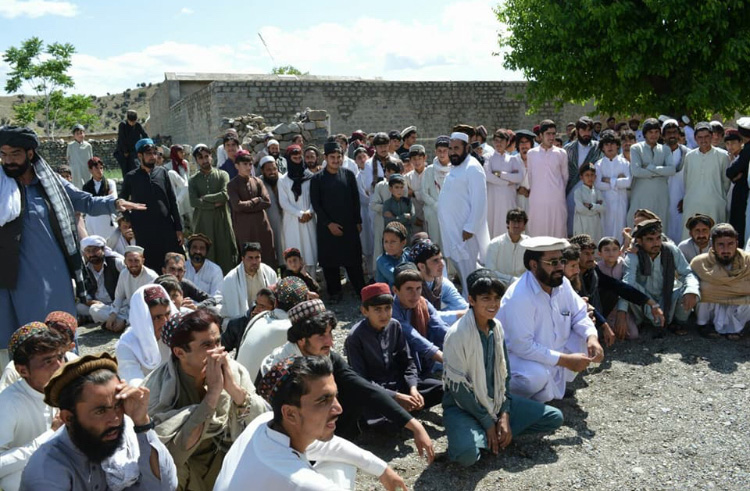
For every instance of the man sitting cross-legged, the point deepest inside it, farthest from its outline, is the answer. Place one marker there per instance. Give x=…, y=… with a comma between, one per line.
x=724, y=274
x=310, y=335
x=275, y=451
x=479, y=411
x=108, y=441
x=201, y=399
x=377, y=350
x=27, y=421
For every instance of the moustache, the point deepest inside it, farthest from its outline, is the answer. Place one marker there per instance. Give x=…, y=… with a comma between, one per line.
x=198, y=258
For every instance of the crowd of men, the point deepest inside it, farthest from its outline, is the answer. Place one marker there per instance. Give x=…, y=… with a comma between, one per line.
x=488, y=280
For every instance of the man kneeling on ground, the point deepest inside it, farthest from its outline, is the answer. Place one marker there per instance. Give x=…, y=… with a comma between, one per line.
x=276, y=449
x=479, y=411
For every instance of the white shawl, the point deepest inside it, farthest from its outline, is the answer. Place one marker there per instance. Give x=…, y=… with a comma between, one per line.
x=140, y=337
x=10, y=199
x=234, y=290
x=464, y=365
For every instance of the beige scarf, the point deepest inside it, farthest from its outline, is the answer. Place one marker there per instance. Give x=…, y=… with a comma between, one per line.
x=721, y=285
x=464, y=365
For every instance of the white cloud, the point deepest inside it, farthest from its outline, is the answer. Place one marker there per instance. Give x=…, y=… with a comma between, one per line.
x=457, y=47
x=36, y=8
x=187, y=11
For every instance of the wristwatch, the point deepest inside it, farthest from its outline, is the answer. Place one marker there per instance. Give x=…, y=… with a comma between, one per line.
x=144, y=428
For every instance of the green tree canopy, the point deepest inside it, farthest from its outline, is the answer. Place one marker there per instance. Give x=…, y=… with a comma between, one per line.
x=287, y=70
x=45, y=72
x=632, y=56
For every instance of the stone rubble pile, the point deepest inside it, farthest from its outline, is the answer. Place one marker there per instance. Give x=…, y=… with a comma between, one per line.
x=312, y=124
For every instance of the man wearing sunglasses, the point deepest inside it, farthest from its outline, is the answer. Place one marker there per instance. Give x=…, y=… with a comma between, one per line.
x=548, y=332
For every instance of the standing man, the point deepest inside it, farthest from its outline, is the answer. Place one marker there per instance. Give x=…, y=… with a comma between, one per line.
x=670, y=131
x=737, y=172
x=209, y=198
x=651, y=165
x=335, y=199
x=38, y=236
x=270, y=178
x=462, y=209
x=706, y=182
x=548, y=176
x=77, y=154
x=273, y=149
x=432, y=183
x=158, y=227
x=548, y=332
x=409, y=136
x=129, y=133
x=231, y=144
x=582, y=151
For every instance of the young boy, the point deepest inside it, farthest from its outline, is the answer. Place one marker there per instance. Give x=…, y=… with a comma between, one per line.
x=173, y=288
x=399, y=207
x=77, y=155
x=380, y=195
x=613, y=179
x=295, y=266
x=478, y=410
x=377, y=349
x=265, y=301
x=589, y=205
x=394, y=243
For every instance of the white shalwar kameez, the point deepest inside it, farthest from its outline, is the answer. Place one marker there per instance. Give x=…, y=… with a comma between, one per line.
x=299, y=235
x=539, y=328
x=676, y=184
x=504, y=173
x=651, y=168
x=588, y=221
x=367, y=235
x=614, y=193
x=432, y=184
x=706, y=185
x=462, y=206
x=505, y=258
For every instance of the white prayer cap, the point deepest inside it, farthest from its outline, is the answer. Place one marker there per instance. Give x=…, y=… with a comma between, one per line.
x=744, y=123
x=669, y=121
x=134, y=248
x=265, y=160
x=685, y=119
x=93, y=240
x=663, y=117
x=408, y=130
x=543, y=244
x=457, y=135
x=271, y=142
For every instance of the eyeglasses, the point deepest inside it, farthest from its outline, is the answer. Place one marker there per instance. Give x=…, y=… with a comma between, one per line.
x=555, y=262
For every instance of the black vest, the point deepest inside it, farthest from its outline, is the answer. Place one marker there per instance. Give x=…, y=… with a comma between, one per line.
x=111, y=275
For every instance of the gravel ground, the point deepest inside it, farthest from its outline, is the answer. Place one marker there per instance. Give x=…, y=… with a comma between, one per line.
x=668, y=413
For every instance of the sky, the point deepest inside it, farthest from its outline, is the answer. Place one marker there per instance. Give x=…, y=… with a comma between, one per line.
x=120, y=44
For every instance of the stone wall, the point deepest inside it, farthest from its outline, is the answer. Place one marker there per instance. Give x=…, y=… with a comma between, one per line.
x=370, y=105
x=53, y=151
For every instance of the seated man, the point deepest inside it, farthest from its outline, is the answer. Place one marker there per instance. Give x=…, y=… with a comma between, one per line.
x=377, y=350
x=310, y=335
x=265, y=300
x=174, y=264
x=654, y=268
x=242, y=283
x=201, y=399
x=65, y=325
x=436, y=288
x=108, y=438
x=37, y=352
x=549, y=334
x=204, y=273
x=140, y=349
x=724, y=275
x=135, y=276
x=479, y=411
x=699, y=226
x=267, y=331
x=505, y=253
x=422, y=326
x=275, y=451
x=104, y=267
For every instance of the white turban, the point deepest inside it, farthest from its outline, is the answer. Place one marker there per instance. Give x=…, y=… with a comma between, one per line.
x=457, y=135
x=93, y=240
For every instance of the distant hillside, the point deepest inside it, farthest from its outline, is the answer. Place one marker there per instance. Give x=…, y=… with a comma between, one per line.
x=109, y=108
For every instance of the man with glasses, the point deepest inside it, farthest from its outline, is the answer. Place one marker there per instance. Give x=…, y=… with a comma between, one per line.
x=158, y=227
x=547, y=167
x=548, y=332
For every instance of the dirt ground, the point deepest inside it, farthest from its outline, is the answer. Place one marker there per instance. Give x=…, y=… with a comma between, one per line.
x=658, y=413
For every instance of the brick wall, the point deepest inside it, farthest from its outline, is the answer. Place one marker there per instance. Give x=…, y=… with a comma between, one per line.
x=371, y=105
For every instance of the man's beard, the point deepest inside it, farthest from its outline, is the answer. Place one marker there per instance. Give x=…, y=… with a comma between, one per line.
x=136, y=273
x=274, y=155
x=584, y=139
x=16, y=170
x=724, y=261
x=197, y=258
x=92, y=446
x=546, y=278
x=96, y=260
x=271, y=180
x=149, y=165
x=458, y=159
